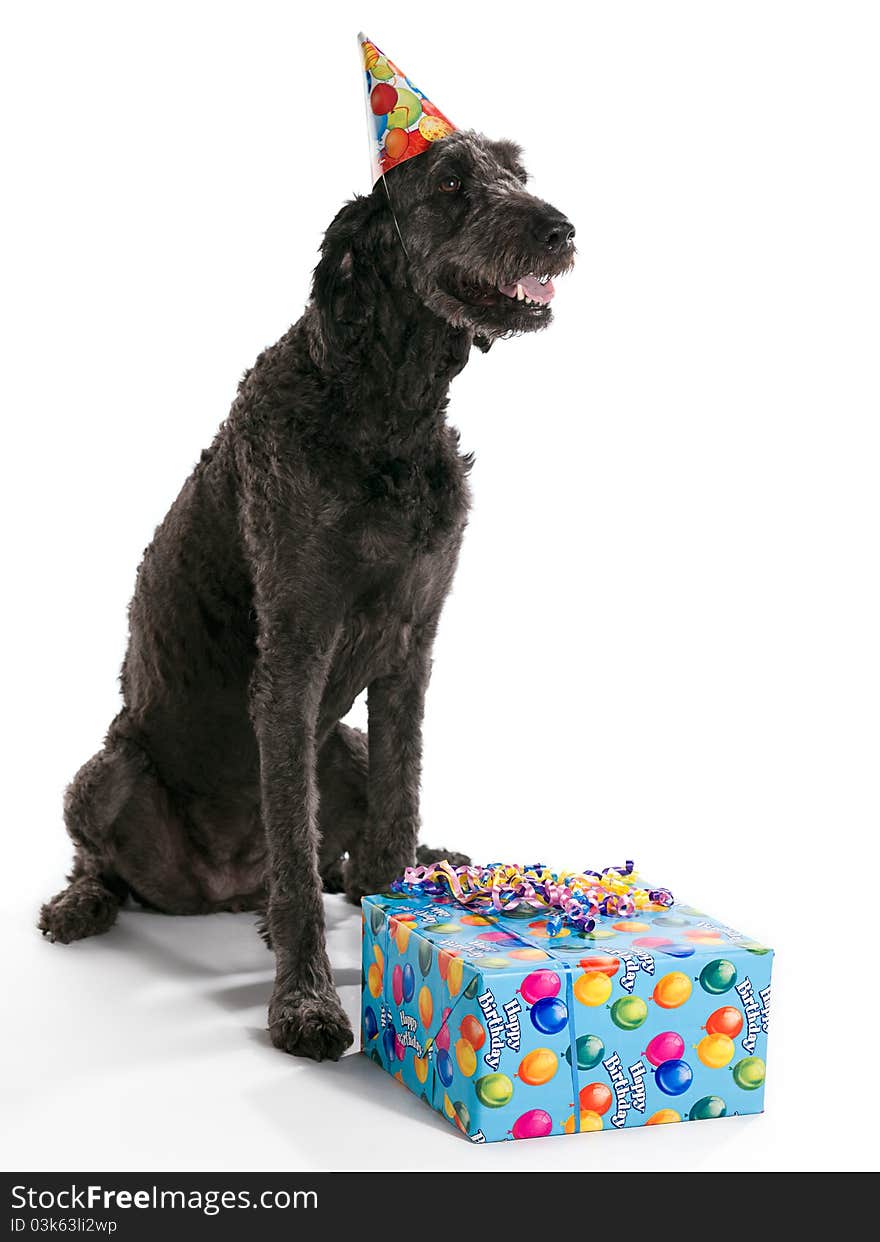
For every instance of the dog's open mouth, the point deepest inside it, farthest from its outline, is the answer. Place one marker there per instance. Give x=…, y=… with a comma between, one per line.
x=530, y=288
x=521, y=298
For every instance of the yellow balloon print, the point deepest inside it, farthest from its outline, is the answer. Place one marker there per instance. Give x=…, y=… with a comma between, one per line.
x=673, y=990
x=455, y=976
x=466, y=1057
x=590, y=1121
x=592, y=988
x=538, y=1067
x=716, y=1051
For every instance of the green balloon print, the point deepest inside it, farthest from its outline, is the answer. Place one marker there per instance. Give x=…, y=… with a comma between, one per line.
x=377, y=919
x=590, y=1051
x=749, y=1073
x=718, y=976
x=472, y=988
x=443, y=929
x=708, y=1108
x=426, y=956
x=758, y=949
x=463, y=1115
x=494, y=1090
x=629, y=1013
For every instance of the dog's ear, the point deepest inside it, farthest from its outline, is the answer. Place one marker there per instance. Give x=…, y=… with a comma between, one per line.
x=345, y=280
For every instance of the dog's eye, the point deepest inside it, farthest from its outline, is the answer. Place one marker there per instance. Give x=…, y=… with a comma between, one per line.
x=450, y=185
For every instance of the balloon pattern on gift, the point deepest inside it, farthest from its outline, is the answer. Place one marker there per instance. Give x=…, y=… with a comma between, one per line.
x=533, y=1023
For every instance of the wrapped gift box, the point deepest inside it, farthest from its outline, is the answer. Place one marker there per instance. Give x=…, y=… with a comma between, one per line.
x=511, y=1028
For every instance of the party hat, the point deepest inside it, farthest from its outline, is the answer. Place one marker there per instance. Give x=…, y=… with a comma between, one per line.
x=401, y=120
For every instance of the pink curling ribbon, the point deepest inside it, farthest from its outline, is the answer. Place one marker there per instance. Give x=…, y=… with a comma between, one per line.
x=573, y=897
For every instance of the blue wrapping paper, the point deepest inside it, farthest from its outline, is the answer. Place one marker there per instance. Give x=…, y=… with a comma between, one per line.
x=512, y=1032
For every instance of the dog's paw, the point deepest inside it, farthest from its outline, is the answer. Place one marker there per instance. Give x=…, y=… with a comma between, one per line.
x=86, y=908
x=425, y=856
x=310, y=1026
x=372, y=875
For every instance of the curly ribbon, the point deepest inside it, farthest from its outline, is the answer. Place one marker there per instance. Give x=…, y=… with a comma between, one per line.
x=578, y=898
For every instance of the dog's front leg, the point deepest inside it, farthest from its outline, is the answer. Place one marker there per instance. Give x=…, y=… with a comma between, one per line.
x=305, y=1016
x=395, y=706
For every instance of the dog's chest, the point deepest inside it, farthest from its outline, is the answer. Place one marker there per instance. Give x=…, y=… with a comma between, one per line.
x=384, y=621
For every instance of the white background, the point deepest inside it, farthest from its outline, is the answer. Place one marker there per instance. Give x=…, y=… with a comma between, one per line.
x=663, y=638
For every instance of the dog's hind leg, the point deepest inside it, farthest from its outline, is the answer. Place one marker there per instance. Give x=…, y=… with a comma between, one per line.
x=343, y=770
x=343, y=764
x=91, y=901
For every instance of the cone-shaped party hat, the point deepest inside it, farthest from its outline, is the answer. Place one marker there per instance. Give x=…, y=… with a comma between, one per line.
x=401, y=120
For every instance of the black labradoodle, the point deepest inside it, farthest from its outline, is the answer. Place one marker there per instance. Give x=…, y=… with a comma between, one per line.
x=307, y=558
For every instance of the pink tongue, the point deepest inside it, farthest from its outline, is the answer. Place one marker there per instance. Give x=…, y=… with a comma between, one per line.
x=532, y=288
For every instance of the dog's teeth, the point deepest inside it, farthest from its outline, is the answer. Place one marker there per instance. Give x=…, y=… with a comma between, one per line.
x=543, y=280
x=528, y=299
x=520, y=293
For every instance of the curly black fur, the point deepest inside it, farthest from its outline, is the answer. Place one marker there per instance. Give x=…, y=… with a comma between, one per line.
x=307, y=557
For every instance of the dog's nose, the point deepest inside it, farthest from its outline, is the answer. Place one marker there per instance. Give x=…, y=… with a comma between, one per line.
x=555, y=232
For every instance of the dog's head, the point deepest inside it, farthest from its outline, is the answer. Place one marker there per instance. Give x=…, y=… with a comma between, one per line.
x=474, y=246
x=483, y=251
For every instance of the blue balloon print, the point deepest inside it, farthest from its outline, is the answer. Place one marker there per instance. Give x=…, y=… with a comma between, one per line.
x=677, y=950
x=371, y=1026
x=444, y=1067
x=549, y=1015
x=409, y=982
x=389, y=1042
x=674, y=1077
